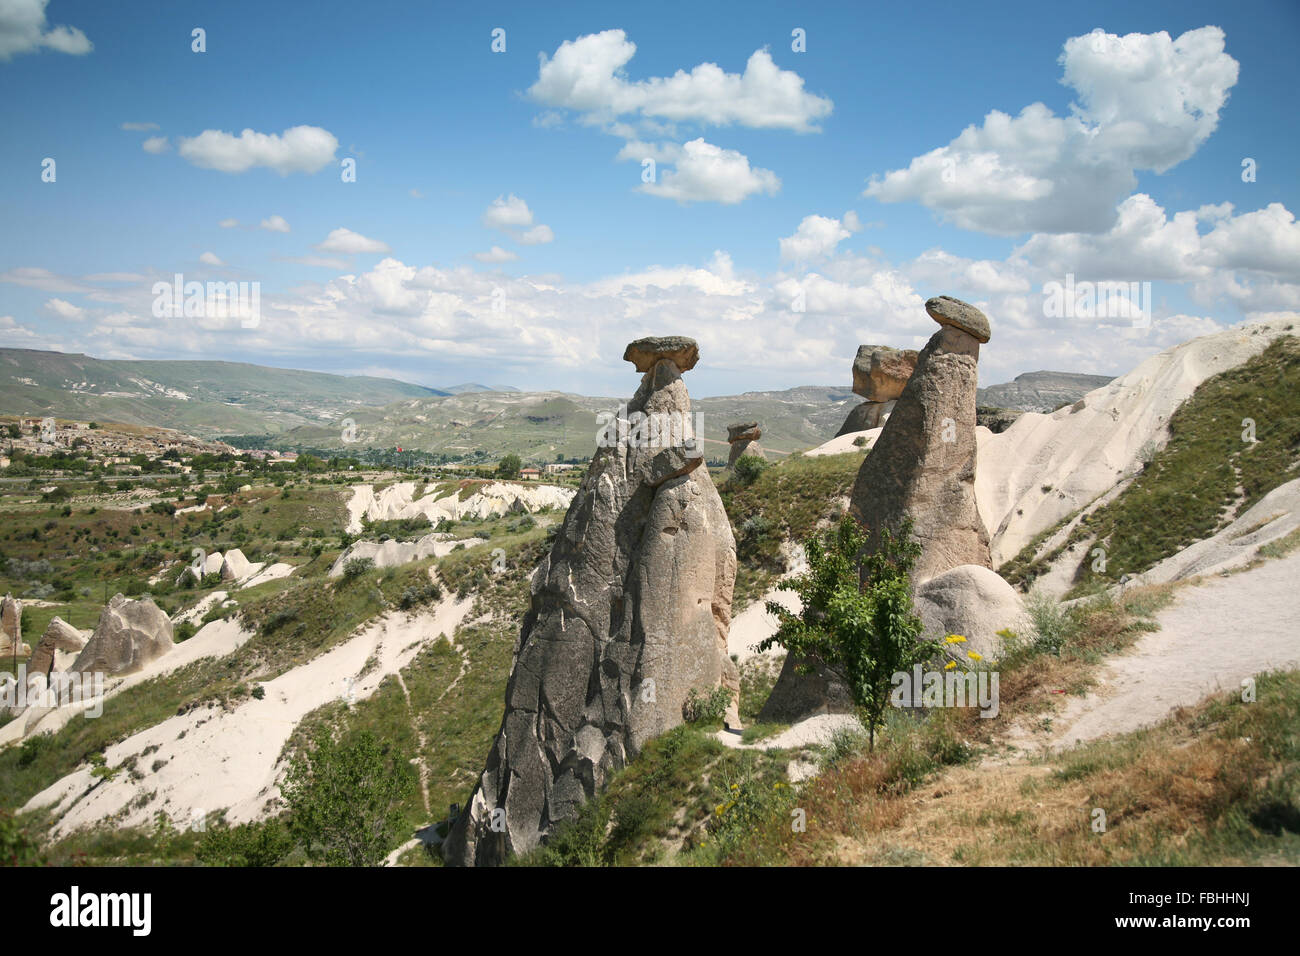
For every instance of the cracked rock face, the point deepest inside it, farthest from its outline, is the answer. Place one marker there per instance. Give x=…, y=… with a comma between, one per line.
x=629, y=614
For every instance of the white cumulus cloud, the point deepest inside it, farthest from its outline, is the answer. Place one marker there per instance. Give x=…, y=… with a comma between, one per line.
x=708, y=173
x=496, y=254
x=274, y=224
x=23, y=29
x=588, y=75
x=348, y=243
x=65, y=310
x=301, y=149
x=1144, y=102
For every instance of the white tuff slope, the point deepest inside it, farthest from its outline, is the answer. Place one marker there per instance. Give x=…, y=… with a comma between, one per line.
x=1082, y=451
x=210, y=759
x=443, y=501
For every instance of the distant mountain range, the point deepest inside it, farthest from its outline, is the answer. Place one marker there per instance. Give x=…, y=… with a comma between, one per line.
x=1041, y=391
x=309, y=409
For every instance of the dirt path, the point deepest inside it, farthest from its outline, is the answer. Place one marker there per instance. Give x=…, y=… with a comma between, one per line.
x=1214, y=635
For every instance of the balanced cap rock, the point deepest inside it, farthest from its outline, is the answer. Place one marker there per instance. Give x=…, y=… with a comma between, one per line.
x=923, y=463
x=879, y=374
x=922, y=466
x=742, y=437
x=629, y=614
x=645, y=353
x=946, y=310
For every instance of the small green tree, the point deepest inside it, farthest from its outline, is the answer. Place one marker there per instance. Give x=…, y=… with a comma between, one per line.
x=250, y=844
x=747, y=469
x=508, y=467
x=344, y=799
x=857, y=619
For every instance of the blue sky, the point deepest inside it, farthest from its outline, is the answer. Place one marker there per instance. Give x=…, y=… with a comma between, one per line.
x=499, y=228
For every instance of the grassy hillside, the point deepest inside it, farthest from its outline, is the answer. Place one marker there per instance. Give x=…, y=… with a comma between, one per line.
x=1205, y=475
x=204, y=398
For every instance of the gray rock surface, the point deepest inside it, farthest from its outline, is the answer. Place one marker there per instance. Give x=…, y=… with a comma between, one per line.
x=923, y=463
x=629, y=613
x=129, y=635
x=864, y=416
x=798, y=696
x=11, y=626
x=645, y=353
x=974, y=602
x=59, y=636
x=957, y=314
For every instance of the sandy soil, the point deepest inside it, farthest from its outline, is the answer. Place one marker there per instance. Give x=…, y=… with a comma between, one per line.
x=1214, y=635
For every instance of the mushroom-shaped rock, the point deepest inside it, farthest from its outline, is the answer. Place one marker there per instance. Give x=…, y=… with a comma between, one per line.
x=646, y=353
x=946, y=310
x=744, y=431
x=629, y=616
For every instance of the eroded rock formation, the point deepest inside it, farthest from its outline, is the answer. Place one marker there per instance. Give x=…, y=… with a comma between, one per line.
x=743, y=437
x=879, y=374
x=923, y=464
x=60, y=637
x=129, y=635
x=11, y=626
x=629, y=614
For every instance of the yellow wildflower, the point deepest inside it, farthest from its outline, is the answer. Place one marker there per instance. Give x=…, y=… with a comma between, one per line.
x=975, y=655
x=950, y=665
x=955, y=639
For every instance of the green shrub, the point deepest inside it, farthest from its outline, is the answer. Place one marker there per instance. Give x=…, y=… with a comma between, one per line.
x=356, y=567
x=707, y=709
x=747, y=469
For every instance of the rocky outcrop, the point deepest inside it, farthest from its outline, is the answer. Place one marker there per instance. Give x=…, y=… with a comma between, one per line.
x=879, y=375
x=629, y=614
x=129, y=635
x=234, y=565
x=923, y=463
x=391, y=554
x=11, y=627
x=743, y=437
x=974, y=602
x=59, y=638
x=451, y=501
x=923, y=466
